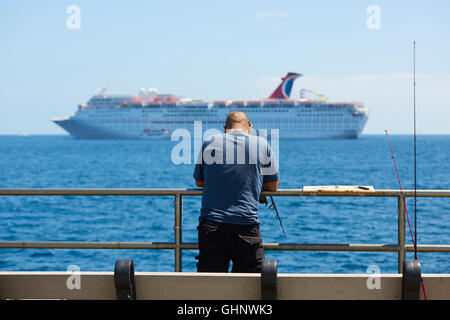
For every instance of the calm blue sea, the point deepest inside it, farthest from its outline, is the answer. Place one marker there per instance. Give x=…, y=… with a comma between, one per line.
x=64, y=162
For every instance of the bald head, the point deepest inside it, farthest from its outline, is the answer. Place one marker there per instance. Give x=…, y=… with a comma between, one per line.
x=237, y=120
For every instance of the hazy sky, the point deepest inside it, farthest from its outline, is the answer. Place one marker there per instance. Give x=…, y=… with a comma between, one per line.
x=225, y=50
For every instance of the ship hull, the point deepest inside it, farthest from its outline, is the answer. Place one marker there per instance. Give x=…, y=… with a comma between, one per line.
x=321, y=122
x=81, y=130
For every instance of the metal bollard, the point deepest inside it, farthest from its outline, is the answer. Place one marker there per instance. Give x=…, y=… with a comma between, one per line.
x=124, y=279
x=411, y=280
x=269, y=289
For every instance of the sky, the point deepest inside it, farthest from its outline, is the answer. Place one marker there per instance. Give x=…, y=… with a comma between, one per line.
x=217, y=50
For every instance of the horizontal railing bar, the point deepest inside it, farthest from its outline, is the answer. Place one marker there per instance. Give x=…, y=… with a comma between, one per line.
x=194, y=246
x=85, y=245
x=99, y=191
x=198, y=192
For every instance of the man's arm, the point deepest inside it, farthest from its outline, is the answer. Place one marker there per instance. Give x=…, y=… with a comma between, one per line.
x=271, y=186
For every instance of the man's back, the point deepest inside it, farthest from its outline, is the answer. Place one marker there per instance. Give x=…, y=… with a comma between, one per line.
x=234, y=167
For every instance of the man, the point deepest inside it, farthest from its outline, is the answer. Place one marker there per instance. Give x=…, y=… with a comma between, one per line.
x=233, y=168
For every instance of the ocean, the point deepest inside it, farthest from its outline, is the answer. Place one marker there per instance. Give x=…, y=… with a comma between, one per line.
x=63, y=162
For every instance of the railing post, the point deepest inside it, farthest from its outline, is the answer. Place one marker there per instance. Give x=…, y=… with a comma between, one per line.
x=178, y=228
x=401, y=232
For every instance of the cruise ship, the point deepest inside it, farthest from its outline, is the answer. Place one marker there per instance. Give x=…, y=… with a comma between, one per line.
x=150, y=115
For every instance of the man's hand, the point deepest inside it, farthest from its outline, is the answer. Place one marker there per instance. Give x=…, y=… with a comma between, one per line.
x=271, y=186
x=200, y=184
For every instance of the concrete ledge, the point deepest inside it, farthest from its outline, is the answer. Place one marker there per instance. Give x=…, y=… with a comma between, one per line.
x=211, y=286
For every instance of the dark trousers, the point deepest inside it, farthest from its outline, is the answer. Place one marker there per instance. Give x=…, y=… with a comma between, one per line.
x=220, y=243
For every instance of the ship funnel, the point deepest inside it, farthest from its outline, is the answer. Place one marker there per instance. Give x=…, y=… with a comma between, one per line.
x=284, y=89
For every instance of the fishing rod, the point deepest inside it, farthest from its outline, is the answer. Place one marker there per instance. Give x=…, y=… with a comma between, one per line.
x=413, y=237
x=403, y=197
x=273, y=206
x=415, y=168
x=415, y=157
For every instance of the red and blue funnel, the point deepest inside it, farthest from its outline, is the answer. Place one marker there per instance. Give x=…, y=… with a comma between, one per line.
x=284, y=89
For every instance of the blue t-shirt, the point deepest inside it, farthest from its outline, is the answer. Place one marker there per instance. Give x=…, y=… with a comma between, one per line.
x=234, y=167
